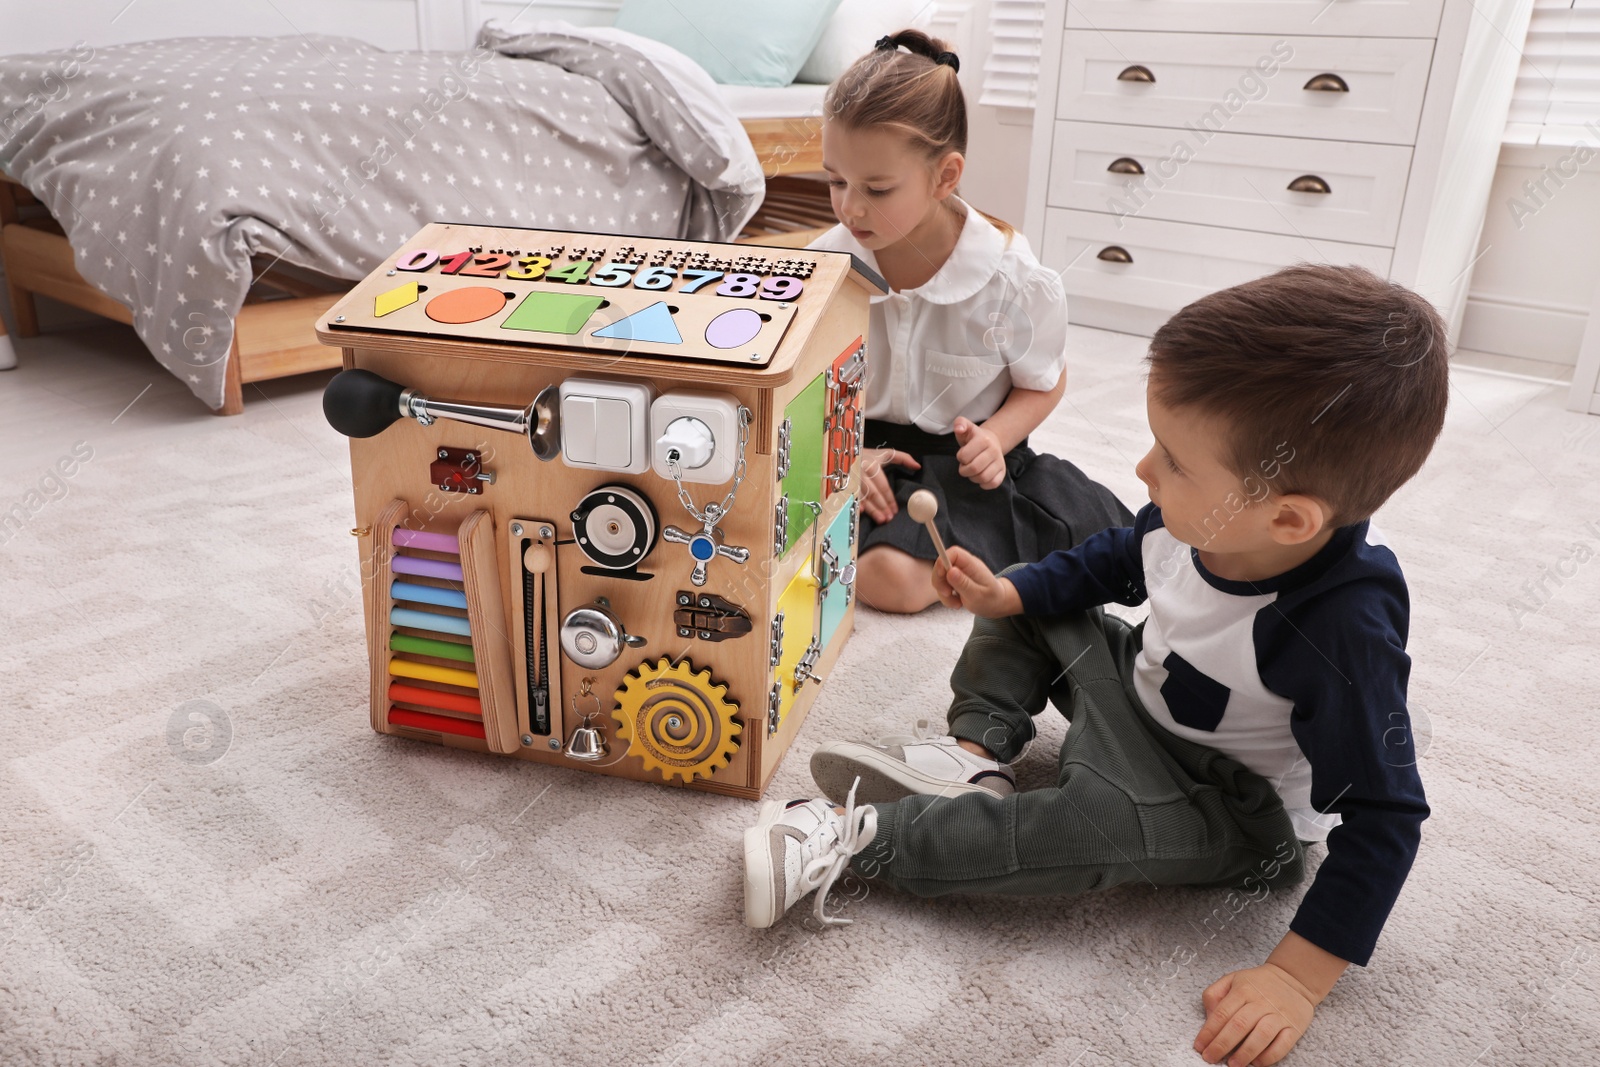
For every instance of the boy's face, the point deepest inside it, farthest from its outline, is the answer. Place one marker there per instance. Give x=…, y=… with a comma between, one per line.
x=881, y=188
x=1203, y=502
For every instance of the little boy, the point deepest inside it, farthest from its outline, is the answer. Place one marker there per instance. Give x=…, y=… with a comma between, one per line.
x=1259, y=708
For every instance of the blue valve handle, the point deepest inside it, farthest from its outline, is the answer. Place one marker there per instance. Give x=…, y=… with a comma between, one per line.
x=703, y=548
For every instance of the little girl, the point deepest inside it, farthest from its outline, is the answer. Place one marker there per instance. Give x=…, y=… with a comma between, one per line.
x=966, y=354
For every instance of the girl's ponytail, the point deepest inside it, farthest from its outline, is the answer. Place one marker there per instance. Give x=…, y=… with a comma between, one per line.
x=921, y=44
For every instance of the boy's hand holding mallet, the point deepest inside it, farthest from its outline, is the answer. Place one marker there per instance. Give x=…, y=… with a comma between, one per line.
x=960, y=578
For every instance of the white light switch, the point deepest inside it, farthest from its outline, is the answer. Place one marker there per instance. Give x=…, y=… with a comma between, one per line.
x=604, y=425
x=613, y=420
x=578, y=430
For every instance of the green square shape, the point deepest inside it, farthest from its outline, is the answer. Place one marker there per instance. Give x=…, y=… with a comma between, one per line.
x=806, y=440
x=552, y=312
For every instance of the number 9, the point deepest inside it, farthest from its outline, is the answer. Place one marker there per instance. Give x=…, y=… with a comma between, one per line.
x=781, y=288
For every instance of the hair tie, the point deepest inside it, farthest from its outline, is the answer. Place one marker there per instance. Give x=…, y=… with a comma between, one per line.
x=949, y=59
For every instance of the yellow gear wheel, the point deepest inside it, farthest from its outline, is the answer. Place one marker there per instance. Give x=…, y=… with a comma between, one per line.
x=676, y=720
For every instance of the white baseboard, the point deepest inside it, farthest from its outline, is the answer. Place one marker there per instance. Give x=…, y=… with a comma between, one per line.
x=1551, y=333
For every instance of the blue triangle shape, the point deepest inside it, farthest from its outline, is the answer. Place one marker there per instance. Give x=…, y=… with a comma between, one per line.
x=653, y=324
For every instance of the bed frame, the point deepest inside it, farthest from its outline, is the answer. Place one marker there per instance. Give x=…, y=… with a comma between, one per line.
x=273, y=334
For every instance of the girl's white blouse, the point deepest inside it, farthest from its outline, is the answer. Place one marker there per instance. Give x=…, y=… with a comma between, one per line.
x=993, y=317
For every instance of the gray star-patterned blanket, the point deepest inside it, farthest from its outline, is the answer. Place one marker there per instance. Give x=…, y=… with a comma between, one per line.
x=174, y=166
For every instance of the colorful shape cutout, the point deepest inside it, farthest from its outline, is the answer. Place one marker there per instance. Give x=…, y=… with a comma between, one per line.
x=395, y=299
x=733, y=328
x=654, y=324
x=460, y=306
x=803, y=484
x=552, y=312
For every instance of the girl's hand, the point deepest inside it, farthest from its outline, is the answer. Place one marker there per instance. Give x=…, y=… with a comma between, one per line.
x=877, y=499
x=982, y=459
x=967, y=583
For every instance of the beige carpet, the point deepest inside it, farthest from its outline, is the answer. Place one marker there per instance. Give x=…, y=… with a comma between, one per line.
x=285, y=887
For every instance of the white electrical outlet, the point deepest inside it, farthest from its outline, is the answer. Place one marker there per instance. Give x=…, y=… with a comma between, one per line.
x=681, y=420
x=605, y=425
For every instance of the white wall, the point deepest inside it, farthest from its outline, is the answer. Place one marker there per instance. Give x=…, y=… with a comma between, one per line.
x=33, y=26
x=1540, y=255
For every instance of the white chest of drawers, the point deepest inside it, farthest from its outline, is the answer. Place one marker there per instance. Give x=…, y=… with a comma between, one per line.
x=1182, y=146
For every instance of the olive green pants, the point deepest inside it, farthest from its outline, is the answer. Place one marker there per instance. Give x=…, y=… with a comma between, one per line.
x=1132, y=802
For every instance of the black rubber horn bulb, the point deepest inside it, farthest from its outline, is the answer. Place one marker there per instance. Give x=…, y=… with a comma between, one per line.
x=359, y=403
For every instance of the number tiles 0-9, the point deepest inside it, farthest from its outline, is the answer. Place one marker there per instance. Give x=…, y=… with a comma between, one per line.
x=709, y=303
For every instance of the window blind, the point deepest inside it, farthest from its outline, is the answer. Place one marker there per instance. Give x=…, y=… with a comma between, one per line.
x=1011, y=73
x=1558, y=83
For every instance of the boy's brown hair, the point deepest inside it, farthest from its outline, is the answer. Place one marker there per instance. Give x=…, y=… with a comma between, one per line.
x=1347, y=369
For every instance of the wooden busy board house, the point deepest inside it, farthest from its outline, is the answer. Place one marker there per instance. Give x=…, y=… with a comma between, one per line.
x=606, y=494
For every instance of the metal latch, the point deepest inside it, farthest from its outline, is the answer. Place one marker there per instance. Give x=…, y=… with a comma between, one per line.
x=774, y=702
x=709, y=617
x=780, y=525
x=851, y=370
x=804, y=671
x=785, y=429
x=777, y=640
x=827, y=564
x=842, y=423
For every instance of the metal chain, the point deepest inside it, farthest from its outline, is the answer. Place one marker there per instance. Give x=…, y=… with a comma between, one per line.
x=706, y=518
x=585, y=690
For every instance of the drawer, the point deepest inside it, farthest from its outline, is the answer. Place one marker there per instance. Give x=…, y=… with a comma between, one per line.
x=1353, y=18
x=1239, y=180
x=1173, y=264
x=1247, y=84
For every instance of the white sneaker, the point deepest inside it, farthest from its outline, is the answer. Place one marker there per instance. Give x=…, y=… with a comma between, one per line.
x=798, y=847
x=897, y=767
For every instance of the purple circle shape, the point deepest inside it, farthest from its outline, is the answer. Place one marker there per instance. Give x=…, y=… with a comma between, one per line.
x=733, y=328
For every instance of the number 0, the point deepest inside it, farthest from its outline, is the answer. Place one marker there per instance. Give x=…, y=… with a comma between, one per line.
x=421, y=259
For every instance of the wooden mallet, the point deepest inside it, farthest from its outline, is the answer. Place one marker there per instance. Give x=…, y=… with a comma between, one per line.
x=922, y=507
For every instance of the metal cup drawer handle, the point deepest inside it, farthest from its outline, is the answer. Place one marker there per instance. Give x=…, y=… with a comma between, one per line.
x=1327, y=83
x=1114, y=254
x=1126, y=165
x=1136, y=73
x=1309, y=183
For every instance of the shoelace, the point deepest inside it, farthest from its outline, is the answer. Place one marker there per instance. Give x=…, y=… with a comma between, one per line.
x=823, y=869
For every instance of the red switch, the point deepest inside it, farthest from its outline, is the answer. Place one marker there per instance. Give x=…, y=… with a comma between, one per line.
x=459, y=470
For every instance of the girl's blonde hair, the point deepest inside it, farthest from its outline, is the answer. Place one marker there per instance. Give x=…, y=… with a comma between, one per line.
x=915, y=93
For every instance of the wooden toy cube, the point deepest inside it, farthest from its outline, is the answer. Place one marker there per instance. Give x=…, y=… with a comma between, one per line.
x=529, y=412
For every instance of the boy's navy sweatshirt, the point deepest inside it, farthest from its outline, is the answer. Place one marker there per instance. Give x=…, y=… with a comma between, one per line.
x=1302, y=678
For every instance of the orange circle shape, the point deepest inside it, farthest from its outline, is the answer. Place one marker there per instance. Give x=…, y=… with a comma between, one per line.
x=465, y=305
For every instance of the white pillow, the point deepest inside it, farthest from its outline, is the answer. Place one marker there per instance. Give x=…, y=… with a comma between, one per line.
x=852, y=31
